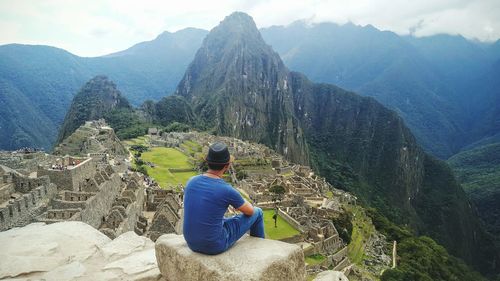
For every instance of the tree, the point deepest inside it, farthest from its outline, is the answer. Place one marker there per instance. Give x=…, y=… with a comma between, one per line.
x=241, y=174
x=278, y=191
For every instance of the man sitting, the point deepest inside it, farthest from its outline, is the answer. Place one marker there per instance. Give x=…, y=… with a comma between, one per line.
x=206, y=199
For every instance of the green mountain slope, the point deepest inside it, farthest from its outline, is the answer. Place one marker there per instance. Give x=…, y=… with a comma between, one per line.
x=237, y=86
x=434, y=82
x=38, y=83
x=48, y=78
x=94, y=101
x=478, y=170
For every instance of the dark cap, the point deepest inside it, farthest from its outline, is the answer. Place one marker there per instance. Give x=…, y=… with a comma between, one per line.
x=218, y=154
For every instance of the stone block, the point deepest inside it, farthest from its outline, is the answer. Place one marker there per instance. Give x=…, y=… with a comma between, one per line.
x=75, y=251
x=249, y=259
x=331, y=275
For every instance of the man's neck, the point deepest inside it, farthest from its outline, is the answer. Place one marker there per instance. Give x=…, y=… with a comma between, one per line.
x=214, y=174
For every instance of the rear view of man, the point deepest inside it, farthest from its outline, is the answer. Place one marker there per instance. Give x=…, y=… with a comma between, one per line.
x=206, y=199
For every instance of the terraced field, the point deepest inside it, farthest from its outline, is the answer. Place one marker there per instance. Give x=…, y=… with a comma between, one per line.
x=165, y=159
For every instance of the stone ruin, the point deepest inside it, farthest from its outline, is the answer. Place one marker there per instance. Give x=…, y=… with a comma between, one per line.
x=22, y=198
x=92, y=137
x=76, y=189
x=126, y=211
x=167, y=208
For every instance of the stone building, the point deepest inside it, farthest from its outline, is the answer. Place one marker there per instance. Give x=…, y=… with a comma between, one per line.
x=126, y=211
x=167, y=206
x=22, y=198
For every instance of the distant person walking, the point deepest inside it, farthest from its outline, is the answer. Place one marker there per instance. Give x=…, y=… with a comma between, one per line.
x=206, y=199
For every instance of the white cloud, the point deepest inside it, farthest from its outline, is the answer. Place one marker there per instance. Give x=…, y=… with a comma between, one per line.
x=91, y=28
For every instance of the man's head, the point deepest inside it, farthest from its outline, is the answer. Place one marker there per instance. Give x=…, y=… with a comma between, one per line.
x=218, y=157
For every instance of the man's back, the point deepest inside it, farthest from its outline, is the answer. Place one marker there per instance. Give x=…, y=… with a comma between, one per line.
x=206, y=200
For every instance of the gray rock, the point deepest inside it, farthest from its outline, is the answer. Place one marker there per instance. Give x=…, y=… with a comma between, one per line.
x=331, y=275
x=249, y=259
x=75, y=251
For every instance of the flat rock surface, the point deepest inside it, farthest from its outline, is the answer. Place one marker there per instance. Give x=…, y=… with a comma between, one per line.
x=331, y=275
x=74, y=251
x=249, y=259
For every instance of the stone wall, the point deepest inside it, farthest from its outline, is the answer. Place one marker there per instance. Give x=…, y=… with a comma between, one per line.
x=98, y=206
x=327, y=246
x=132, y=212
x=291, y=220
x=6, y=189
x=344, y=263
x=339, y=256
x=25, y=184
x=126, y=211
x=167, y=218
x=65, y=214
x=70, y=179
x=63, y=204
x=24, y=209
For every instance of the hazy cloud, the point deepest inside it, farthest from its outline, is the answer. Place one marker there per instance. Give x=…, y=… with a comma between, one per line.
x=91, y=28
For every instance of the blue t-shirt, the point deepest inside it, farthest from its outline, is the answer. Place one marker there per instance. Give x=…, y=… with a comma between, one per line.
x=205, y=202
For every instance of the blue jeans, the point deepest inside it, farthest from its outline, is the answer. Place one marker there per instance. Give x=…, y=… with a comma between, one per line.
x=238, y=225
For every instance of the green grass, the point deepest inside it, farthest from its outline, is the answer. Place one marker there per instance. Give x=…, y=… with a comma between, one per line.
x=314, y=259
x=311, y=277
x=192, y=146
x=329, y=194
x=284, y=229
x=165, y=158
x=137, y=141
x=362, y=228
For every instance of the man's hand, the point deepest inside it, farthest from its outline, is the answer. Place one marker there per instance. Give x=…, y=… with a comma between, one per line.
x=246, y=209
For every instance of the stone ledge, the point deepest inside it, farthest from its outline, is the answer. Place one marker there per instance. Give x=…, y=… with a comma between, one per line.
x=249, y=259
x=75, y=251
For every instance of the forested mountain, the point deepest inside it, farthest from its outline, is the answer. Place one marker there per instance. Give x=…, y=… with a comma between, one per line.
x=435, y=83
x=37, y=83
x=479, y=171
x=441, y=85
x=95, y=99
x=238, y=86
x=152, y=69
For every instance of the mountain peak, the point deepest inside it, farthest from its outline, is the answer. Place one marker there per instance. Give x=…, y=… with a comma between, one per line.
x=236, y=25
x=237, y=83
x=231, y=50
x=239, y=18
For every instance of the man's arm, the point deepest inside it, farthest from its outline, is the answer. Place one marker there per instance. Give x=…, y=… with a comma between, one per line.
x=246, y=209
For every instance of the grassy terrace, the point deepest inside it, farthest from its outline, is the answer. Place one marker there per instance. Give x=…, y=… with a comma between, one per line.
x=284, y=229
x=165, y=158
x=144, y=140
x=314, y=259
x=362, y=228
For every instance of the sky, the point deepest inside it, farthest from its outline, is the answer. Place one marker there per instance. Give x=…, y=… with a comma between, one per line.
x=94, y=28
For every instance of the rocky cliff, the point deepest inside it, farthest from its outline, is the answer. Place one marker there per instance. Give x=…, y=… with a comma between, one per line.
x=239, y=86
